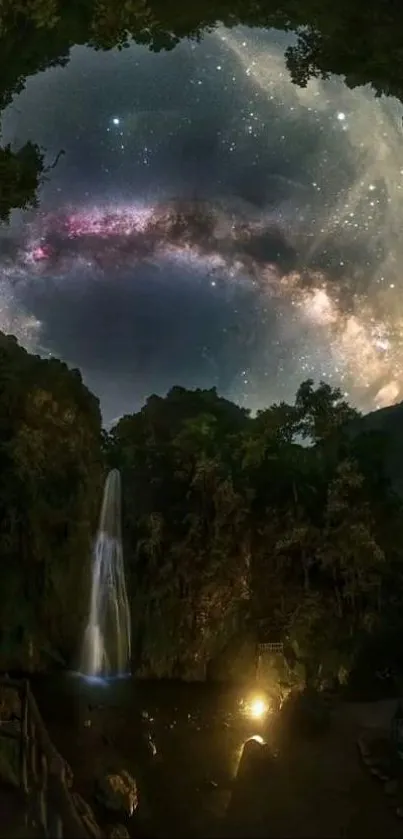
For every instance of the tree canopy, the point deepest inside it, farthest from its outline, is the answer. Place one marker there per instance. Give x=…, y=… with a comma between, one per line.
x=237, y=528
x=273, y=524
x=21, y=173
x=362, y=45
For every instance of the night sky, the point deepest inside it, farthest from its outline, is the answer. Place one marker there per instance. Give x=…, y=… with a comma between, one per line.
x=209, y=224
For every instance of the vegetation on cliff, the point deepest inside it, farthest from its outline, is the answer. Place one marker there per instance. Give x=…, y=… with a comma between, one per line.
x=50, y=478
x=281, y=526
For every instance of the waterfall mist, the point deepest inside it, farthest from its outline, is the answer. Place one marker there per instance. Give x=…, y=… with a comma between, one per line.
x=106, y=646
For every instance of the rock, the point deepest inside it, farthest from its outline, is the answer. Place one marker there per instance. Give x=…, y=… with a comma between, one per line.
x=257, y=759
x=86, y=815
x=118, y=792
x=391, y=787
x=117, y=831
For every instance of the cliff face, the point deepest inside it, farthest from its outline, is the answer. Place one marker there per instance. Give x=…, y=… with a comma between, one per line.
x=386, y=426
x=173, y=643
x=233, y=522
x=50, y=472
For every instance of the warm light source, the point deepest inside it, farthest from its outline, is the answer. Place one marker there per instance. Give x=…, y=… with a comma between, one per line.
x=258, y=739
x=257, y=707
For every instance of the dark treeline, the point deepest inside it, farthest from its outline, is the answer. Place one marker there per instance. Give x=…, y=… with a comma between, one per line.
x=284, y=526
x=363, y=44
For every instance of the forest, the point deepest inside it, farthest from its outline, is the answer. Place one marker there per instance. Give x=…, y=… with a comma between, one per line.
x=284, y=526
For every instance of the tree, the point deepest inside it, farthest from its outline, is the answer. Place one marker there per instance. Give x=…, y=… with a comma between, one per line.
x=186, y=531
x=232, y=524
x=21, y=173
x=235, y=524
x=321, y=412
x=318, y=545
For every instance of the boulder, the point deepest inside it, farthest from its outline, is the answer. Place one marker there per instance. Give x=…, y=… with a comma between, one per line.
x=118, y=792
x=257, y=759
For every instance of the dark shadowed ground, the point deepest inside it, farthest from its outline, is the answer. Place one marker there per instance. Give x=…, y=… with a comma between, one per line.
x=313, y=788
x=12, y=822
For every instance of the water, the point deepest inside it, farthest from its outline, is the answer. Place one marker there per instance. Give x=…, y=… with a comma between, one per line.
x=106, y=645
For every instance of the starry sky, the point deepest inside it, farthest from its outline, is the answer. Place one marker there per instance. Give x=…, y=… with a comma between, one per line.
x=209, y=224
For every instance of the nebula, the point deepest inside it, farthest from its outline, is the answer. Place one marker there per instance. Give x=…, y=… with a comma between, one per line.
x=123, y=235
x=367, y=350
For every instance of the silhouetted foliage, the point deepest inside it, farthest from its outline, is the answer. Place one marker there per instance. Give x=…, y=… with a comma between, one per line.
x=20, y=175
x=235, y=527
x=231, y=522
x=50, y=476
x=363, y=44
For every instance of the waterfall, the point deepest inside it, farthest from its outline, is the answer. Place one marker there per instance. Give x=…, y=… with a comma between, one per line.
x=106, y=644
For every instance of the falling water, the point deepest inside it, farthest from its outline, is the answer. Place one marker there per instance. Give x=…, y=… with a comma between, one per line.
x=106, y=646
